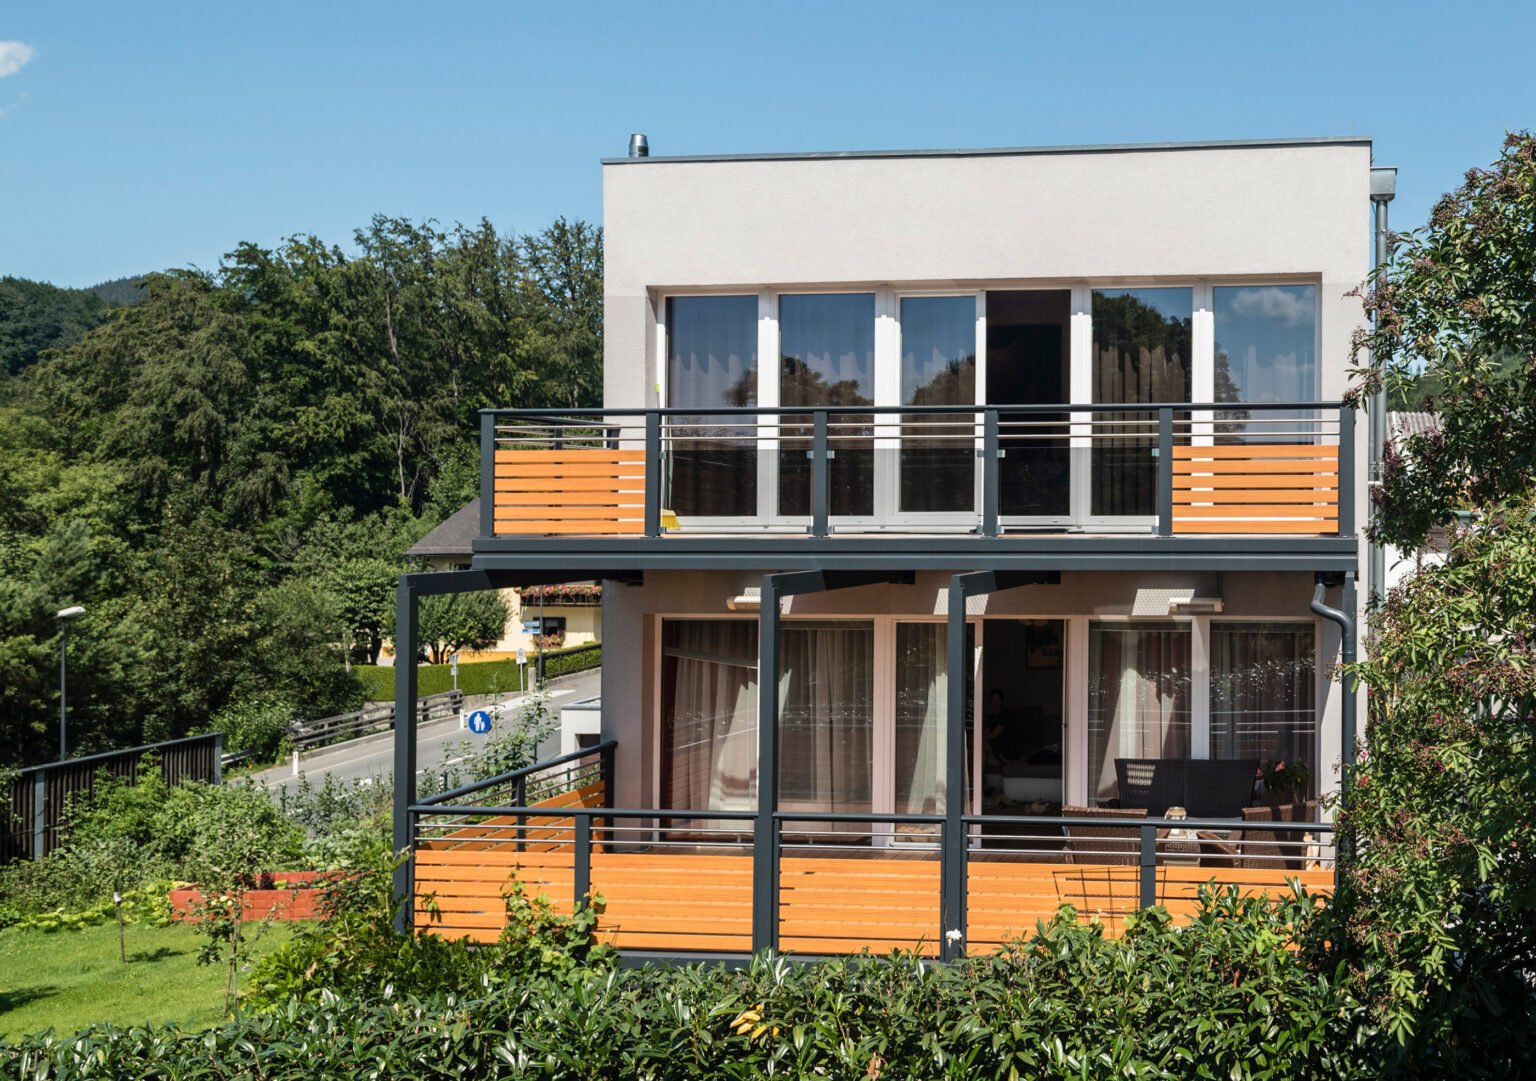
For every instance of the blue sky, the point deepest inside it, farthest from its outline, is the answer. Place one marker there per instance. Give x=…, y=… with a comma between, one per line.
x=142, y=136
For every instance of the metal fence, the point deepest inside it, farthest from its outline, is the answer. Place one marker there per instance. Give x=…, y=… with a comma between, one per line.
x=370, y=720
x=40, y=795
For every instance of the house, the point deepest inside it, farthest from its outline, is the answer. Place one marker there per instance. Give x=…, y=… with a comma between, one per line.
x=1026, y=474
x=567, y=614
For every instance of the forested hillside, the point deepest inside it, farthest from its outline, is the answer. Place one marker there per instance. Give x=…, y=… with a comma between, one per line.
x=226, y=473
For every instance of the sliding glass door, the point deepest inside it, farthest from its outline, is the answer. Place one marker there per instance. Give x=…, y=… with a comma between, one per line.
x=1138, y=697
x=1264, y=692
x=937, y=460
x=712, y=363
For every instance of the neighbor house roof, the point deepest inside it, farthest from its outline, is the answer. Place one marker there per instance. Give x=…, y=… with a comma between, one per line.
x=1401, y=425
x=454, y=538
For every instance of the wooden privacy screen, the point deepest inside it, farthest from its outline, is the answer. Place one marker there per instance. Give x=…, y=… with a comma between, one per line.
x=588, y=490
x=681, y=902
x=1262, y=488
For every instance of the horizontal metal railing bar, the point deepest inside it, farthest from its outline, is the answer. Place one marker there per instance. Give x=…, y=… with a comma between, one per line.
x=1137, y=823
x=585, y=416
x=513, y=775
x=585, y=812
x=857, y=816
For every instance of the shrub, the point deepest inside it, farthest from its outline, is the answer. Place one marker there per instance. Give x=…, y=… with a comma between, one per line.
x=1232, y=996
x=260, y=725
x=477, y=677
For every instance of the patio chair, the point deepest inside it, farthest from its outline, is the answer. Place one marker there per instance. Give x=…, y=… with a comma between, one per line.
x=1102, y=843
x=1255, y=848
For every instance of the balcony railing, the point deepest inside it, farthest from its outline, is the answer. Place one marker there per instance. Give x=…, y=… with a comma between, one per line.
x=692, y=883
x=1164, y=468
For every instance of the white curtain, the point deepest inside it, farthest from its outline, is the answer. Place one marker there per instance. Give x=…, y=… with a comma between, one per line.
x=826, y=718
x=1263, y=692
x=1138, y=697
x=709, y=714
x=922, y=700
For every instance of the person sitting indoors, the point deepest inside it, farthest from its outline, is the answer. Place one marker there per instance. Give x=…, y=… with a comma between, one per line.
x=1000, y=730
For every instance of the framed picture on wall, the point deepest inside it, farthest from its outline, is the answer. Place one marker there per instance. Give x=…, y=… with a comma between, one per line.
x=1042, y=647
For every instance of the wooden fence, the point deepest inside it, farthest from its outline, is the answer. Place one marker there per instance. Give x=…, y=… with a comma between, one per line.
x=40, y=795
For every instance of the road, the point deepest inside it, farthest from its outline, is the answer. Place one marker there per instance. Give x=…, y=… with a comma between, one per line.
x=373, y=757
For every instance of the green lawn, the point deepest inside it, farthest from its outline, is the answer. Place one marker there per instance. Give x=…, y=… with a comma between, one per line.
x=66, y=980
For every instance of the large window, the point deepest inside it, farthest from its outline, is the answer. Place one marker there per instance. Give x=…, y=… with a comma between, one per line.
x=1266, y=351
x=827, y=358
x=1263, y=691
x=938, y=367
x=826, y=717
x=709, y=714
x=712, y=363
x=1138, y=697
x=922, y=701
x=1142, y=346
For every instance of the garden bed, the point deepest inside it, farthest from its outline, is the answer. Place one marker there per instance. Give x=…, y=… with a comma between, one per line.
x=294, y=895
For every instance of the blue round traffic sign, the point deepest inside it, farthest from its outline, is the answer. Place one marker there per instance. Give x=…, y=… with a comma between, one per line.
x=480, y=722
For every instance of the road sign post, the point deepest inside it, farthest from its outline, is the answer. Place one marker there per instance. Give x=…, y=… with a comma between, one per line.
x=522, y=671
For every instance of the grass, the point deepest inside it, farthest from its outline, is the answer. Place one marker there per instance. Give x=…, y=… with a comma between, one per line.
x=66, y=980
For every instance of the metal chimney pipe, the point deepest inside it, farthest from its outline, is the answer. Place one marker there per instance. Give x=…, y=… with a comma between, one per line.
x=638, y=146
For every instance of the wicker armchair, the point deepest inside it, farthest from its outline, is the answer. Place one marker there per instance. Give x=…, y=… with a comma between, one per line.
x=1106, y=843
x=1261, y=849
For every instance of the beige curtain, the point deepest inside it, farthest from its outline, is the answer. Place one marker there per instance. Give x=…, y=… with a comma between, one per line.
x=709, y=714
x=1263, y=692
x=1138, y=697
x=826, y=719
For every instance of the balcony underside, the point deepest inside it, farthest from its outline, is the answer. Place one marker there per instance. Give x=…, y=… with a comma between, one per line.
x=895, y=551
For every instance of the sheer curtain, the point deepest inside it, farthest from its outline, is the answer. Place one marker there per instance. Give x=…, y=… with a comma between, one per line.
x=1263, y=692
x=922, y=699
x=709, y=714
x=1138, y=697
x=826, y=719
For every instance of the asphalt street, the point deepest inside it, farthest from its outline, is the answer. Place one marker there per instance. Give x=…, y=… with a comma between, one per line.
x=439, y=744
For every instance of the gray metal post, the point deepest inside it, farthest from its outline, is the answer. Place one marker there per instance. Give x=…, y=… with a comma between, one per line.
x=952, y=868
x=1383, y=188
x=653, y=474
x=40, y=814
x=582, y=872
x=63, y=683
x=765, y=864
x=1165, y=472
x=218, y=758
x=1148, y=861
x=1346, y=471
x=405, y=743
x=487, y=474
x=991, y=451
x=820, y=451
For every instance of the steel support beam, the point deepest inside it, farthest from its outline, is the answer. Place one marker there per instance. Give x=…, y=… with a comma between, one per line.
x=952, y=844
x=765, y=830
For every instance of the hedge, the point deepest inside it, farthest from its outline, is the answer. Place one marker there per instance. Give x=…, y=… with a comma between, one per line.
x=476, y=677
x=1224, y=998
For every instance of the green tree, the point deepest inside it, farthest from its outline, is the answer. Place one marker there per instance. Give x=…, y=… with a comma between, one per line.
x=460, y=621
x=1455, y=311
x=1440, y=903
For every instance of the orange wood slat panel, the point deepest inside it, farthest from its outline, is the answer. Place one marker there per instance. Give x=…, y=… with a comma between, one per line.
x=558, y=470
x=571, y=454
x=576, y=528
x=511, y=483
x=1327, y=451
x=611, y=512
x=1256, y=466
x=1224, y=509
x=517, y=502
x=1322, y=496
x=1209, y=525
x=1298, y=483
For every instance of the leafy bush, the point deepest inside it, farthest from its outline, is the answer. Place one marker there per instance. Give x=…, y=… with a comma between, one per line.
x=1231, y=996
x=260, y=725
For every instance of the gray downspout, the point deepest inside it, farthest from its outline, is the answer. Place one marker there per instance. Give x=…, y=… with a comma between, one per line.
x=1348, y=729
x=1383, y=187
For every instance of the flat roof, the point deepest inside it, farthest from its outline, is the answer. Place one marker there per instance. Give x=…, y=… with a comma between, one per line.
x=1002, y=151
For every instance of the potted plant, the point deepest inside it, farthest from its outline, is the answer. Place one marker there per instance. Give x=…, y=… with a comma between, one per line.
x=1284, y=781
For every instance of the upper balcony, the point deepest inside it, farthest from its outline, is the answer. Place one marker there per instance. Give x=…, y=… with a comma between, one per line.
x=1146, y=482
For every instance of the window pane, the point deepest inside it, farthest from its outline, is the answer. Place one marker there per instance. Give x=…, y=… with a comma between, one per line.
x=712, y=362
x=1142, y=339
x=938, y=367
x=1138, y=698
x=1263, y=693
x=709, y=714
x=1266, y=351
x=827, y=357
x=826, y=718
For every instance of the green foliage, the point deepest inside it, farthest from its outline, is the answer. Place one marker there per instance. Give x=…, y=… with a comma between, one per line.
x=259, y=725
x=1439, y=907
x=454, y=622
x=245, y=455
x=1225, y=998
x=477, y=677
x=1455, y=311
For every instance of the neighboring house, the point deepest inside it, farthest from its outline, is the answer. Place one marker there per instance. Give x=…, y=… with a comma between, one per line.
x=1401, y=564
x=1023, y=471
x=570, y=614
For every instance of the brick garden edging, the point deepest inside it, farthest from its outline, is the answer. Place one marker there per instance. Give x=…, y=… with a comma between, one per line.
x=298, y=900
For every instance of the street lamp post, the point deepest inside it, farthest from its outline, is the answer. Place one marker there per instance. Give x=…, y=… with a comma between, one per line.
x=64, y=616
